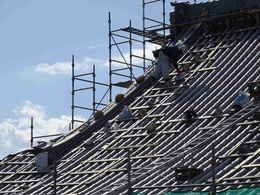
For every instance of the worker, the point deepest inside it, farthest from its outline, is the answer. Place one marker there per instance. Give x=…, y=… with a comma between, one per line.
x=190, y=115
x=165, y=59
x=241, y=100
x=174, y=53
x=125, y=114
x=162, y=65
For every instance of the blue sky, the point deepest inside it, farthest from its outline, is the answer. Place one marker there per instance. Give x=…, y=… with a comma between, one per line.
x=37, y=40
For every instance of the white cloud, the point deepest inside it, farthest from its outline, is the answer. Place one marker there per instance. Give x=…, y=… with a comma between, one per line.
x=29, y=109
x=15, y=132
x=60, y=68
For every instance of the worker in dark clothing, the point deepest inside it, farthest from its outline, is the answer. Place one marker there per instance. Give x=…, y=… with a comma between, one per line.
x=174, y=54
x=166, y=59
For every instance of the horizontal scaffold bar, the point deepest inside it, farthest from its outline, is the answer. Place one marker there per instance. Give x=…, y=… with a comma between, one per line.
x=149, y=2
x=125, y=37
x=42, y=136
x=81, y=75
x=81, y=107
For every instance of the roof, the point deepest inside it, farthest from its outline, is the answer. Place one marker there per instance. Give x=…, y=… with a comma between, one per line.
x=91, y=161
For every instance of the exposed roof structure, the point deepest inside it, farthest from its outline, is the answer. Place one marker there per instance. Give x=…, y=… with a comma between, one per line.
x=91, y=160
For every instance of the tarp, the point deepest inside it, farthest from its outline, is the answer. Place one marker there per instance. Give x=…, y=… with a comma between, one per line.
x=245, y=191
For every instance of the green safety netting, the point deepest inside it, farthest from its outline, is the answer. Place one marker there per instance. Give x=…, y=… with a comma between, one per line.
x=185, y=193
x=244, y=191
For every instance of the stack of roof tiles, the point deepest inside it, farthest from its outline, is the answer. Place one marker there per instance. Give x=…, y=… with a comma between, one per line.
x=91, y=161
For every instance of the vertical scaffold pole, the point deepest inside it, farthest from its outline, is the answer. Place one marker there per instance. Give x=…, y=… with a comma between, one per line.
x=131, y=50
x=164, y=20
x=144, y=41
x=110, y=57
x=129, y=170
x=213, y=170
x=31, y=132
x=54, y=177
x=94, y=89
x=73, y=93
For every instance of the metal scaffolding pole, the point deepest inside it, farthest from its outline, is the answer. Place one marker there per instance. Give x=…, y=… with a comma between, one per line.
x=54, y=177
x=31, y=132
x=131, y=50
x=110, y=57
x=164, y=20
x=129, y=171
x=73, y=93
x=94, y=89
x=213, y=187
x=144, y=39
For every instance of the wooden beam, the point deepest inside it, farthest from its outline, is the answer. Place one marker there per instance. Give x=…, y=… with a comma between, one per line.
x=242, y=178
x=19, y=173
x=20, y=181
x=129, y=147
x=235, y=155
x=200, y=70
x=251, y=166
x=117, y=159
x=15, y=163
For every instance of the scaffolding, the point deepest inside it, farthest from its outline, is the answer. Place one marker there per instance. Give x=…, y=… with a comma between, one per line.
x=122, y=66
x=92, y=86
x=124, y=37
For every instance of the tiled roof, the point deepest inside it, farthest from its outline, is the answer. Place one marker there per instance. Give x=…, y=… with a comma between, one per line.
x=92, y=161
